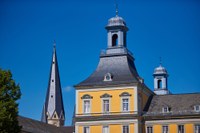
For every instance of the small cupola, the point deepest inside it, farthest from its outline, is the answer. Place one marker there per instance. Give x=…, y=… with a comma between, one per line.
x=116, y=21
x=160, y=70
x=160, y=80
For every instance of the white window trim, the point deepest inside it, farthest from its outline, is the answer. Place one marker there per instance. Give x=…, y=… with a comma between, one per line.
x=149, y=126
x=128, y=127
x=109, y=75
x=125, y=97
x=195, y=106
x=167, y=128
x=106, y=126
x=163, y=109
x=83, y=106
x=183, y=127
x=102, y=105
x=195, y=126
x=86, y=127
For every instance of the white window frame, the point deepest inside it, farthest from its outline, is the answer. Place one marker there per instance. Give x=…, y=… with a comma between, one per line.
x=165, y=127
x=148, y=130
x=183, y=129
x=84, y=106
x=106, y=112
x=124, y=126
x=165, y=111
x=195, y=108
x=122, y=103
x=105, y=126
x=197, y=130
x=86, y=127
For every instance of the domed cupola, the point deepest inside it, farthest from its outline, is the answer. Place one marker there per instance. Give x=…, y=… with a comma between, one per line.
x=160, y=70
x=160, y=80
x=116, y=21
x=116, y=30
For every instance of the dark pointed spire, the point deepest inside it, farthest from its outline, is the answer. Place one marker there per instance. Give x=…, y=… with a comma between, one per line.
x=53, y=111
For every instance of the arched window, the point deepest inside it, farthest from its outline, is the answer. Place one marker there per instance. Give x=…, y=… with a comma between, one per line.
x=159, y=83
x=114, y=40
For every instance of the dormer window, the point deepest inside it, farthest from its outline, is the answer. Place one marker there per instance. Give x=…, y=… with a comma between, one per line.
x=165, y=109
x=108, y=77
x=197, y=108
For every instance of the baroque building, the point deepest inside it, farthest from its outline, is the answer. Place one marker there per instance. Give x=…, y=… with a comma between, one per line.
x=115, y=99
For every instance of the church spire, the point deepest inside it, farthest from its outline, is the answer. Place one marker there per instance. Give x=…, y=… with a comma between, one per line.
x=53, y=111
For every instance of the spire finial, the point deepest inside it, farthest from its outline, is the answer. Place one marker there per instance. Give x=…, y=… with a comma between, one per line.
x=54, y=43
x=160, y=61
x=116, y=8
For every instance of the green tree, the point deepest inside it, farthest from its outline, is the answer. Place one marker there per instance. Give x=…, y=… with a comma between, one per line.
x=9, y=94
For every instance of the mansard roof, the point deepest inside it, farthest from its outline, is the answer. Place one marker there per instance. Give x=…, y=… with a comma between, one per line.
x=120, y=66
x=34, y=126
x=178, y=104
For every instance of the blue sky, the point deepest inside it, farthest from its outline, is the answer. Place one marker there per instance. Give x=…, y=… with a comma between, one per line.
x=161, y=28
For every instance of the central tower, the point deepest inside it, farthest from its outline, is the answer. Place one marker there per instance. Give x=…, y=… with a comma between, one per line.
x=113, y=97
x=117, y=29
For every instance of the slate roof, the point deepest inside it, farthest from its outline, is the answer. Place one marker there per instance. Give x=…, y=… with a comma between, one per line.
x=106, y=117
x=34, y=126
x=178, y=104
x=54, y=101
x=121, y=66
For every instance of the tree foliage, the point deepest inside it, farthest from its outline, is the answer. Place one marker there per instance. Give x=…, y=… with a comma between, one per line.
x=9, y=94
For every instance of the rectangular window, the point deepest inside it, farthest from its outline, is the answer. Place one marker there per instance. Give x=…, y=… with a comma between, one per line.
x=86, y=106
x=86, y=130
x=126, y=129
x=197, y=129
x=165, y=109
x=105, y=105
x=180, y=128
x=149, y=129
x=125, y=104
x=197, y=108
x=165, y=129
x=105, y=129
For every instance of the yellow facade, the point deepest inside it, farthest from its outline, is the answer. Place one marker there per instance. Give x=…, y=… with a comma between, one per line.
x=157, y=129
x=113, y=128
x=173, y=128
x=189, y=128
x=115, y=100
